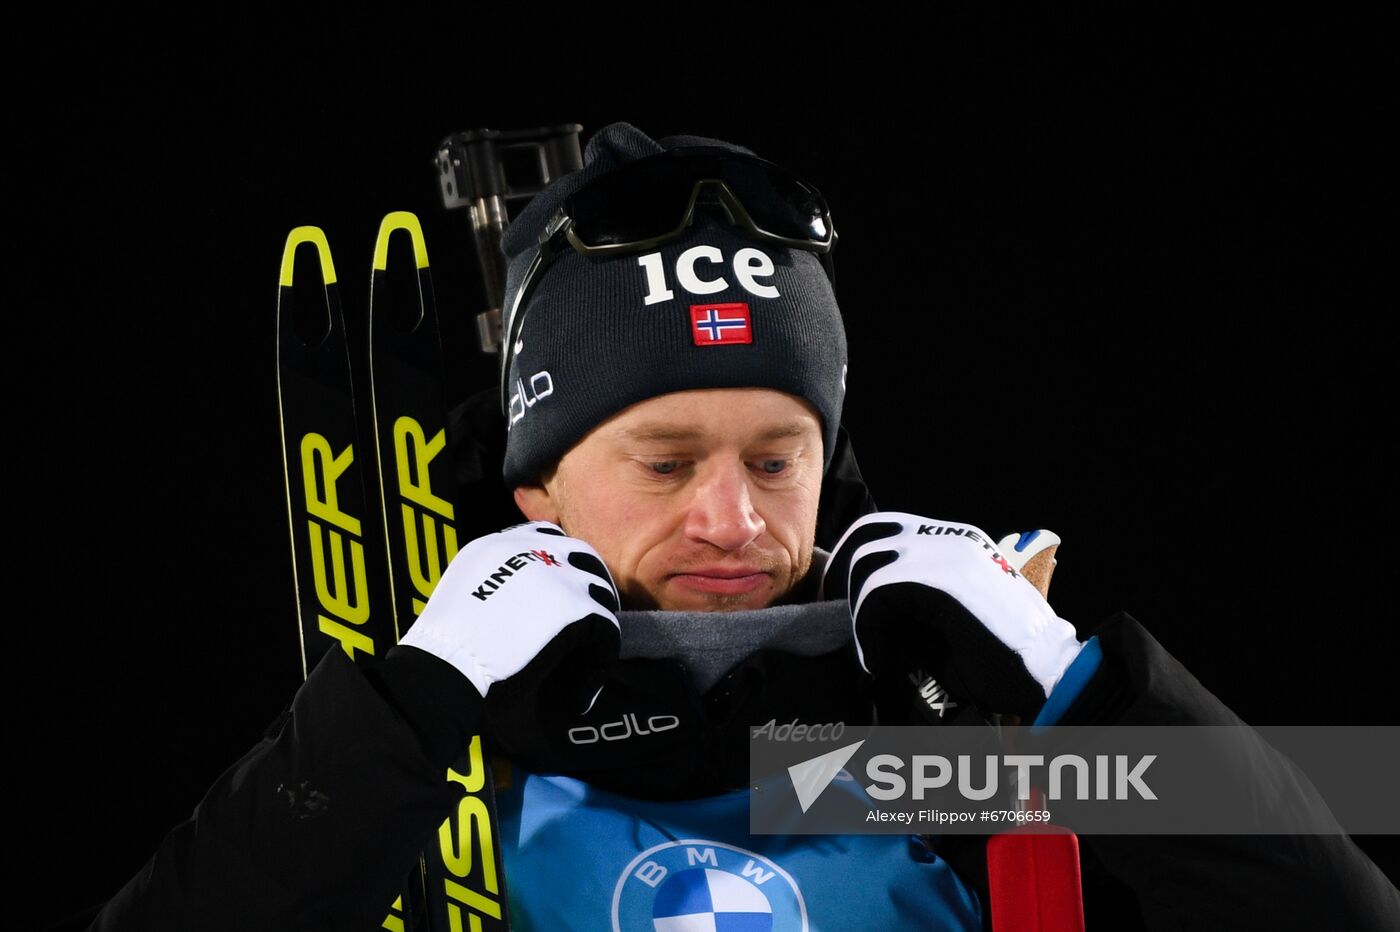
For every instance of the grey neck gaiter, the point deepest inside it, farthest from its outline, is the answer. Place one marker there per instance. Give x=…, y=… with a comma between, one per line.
x=710, y=644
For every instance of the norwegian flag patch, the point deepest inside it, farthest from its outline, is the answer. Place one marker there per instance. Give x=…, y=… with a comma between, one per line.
x=720, y=324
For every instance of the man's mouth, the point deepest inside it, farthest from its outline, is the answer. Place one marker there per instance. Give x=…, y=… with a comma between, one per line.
x=721, y=580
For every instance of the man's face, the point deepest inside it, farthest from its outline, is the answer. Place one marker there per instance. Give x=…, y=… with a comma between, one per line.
x=701, y=500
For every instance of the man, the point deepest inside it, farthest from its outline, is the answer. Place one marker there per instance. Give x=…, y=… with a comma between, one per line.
x=673, y=383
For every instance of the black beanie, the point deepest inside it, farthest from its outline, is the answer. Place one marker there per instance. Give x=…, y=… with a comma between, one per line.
x=592, y=345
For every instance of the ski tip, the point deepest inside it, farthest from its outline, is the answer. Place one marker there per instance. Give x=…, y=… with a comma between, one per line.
x=307, y=234
x=400, y=220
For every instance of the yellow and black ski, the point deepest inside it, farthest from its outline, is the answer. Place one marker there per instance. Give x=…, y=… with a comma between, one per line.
x=338, y=560
x=464, y=885
x=364, y=573
x=342, y=591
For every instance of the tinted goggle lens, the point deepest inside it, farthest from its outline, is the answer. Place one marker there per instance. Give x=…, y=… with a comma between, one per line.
x=779, y=202
x=648, y=199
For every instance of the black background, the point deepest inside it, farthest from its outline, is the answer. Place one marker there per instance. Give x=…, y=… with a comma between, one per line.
x=1110, y=276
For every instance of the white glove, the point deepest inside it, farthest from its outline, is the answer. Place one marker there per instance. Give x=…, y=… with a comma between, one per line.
x=520, y=605
x=939, y=596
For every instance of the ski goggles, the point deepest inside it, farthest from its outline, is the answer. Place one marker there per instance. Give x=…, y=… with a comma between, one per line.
x=653, y=201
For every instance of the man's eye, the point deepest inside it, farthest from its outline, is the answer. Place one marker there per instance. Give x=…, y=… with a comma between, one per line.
x=773, y=467
x=665, y=468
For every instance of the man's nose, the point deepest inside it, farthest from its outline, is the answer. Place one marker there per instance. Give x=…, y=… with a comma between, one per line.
x=722, y=512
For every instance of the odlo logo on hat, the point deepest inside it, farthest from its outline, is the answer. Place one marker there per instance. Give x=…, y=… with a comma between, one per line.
x=702, y=886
